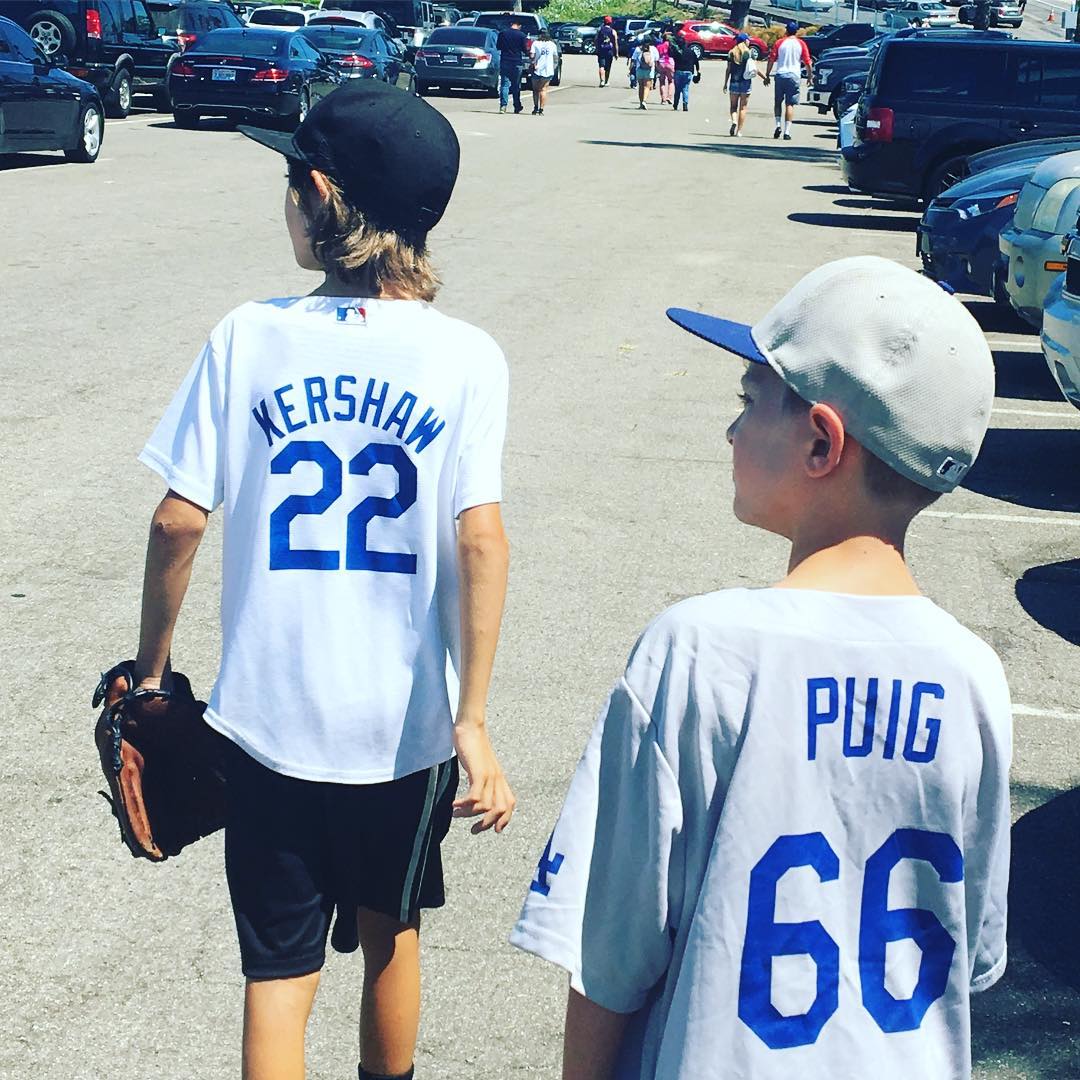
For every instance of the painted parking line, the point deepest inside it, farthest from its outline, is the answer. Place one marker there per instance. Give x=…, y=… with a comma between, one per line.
x=1011, y=343
x=1020, y=519
x=1047, y=714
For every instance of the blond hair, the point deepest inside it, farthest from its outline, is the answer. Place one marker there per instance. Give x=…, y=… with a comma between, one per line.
x=358, y=250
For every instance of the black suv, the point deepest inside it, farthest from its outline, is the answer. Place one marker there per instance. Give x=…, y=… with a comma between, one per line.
x=116, y=44
x=934, y=98
x=834, y=37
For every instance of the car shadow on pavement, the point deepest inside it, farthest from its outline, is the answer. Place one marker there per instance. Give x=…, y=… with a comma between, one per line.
x=1023, y=375
x=30, y=161
x=1050, y=594
x=996, y=318
x=1028, y=1021
x=873, y=223
x=829, y=189
x=1033, y=467
x=876, y=204
x=736, y=148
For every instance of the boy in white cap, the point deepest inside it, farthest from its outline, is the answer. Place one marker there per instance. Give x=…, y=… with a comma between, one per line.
x=785, y=851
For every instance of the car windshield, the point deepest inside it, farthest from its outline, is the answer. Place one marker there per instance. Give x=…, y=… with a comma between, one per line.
x=270, y=17
x=239, y=43
x=336, y=37
x=450, y=36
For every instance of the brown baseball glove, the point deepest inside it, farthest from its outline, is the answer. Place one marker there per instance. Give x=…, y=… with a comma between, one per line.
x=163, y=763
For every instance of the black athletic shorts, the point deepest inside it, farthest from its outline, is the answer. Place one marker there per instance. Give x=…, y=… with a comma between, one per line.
x=297, y=849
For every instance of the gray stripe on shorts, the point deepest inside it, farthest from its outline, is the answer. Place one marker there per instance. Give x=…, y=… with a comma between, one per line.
x=418, y=843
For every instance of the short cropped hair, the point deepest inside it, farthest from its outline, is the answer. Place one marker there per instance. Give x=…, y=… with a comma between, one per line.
x=882, y=481
x=355, y=249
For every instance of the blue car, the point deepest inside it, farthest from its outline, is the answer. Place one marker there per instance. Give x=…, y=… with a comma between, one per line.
x=958, y=233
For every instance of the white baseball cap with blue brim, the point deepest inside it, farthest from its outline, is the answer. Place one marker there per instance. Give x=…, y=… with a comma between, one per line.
x=901, y=360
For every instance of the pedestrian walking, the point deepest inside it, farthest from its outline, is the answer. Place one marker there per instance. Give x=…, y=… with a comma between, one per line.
x=645, y=70
x=607, y=49
x=738, y=80
x=513, y=48
x=788, y=56
x=543, y=56
x=687, y=70
x=665, y=68
x=341, y=718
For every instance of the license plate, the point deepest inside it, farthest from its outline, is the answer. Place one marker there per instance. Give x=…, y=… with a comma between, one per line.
x=224, y=75
x=449, y=59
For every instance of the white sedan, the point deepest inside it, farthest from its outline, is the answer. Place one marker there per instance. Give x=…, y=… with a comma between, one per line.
x=930, y=12
x=281, y=16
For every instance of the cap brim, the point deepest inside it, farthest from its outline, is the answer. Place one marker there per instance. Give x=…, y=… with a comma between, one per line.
x=734, y=337
x=281, y=141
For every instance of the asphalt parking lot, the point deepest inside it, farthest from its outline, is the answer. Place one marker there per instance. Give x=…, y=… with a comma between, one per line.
x=568, y=237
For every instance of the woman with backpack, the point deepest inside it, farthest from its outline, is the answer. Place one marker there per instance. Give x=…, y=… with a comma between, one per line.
x=645, y=65
x=607, y=49
x=741, y=72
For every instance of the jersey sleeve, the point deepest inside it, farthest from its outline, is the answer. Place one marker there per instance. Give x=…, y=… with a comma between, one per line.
x=988, y=843
x=774, y=52
x=479, y=472
x=598, y=905
x=187, y=448
x=807, y=59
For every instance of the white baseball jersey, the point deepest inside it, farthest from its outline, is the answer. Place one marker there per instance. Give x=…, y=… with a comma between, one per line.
x=786, y=848
x=342, y=438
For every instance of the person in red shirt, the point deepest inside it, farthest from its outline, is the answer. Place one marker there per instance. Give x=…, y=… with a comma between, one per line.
x=789, y=56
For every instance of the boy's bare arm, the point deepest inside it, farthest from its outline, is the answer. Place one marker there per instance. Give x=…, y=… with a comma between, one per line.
x=592, y=1038
x=175, y=531
x=483, y=561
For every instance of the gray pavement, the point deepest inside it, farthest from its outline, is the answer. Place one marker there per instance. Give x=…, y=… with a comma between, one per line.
x=567, y=238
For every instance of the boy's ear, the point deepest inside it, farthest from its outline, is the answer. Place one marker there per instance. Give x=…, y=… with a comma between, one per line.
x=321, y=186
x=827, y=441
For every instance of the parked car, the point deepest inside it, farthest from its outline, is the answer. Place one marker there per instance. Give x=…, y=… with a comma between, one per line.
x=283, y=16
x=531, y=25
x=832, y=68
x=931, y=12
x=578, y=37
x=636, y=35
x=112, y=44
x=181, y=24
x=1031, y=246
x=1061, y=324
x=1001, y=14
x=716, y=39
x=957, y=238
x=805, y=5
x=367, y=19
x=360, y=53
x=43, y=107
x=833, y=36
x=256, y=73
x=847, y=98
x=460, y=56
x=934, y=97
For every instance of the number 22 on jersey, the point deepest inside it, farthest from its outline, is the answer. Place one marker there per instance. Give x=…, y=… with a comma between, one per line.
x=878, y=926
x=358, y=556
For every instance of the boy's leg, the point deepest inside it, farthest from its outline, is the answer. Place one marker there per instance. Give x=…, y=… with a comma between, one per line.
x=276, y=1013
x=516, y=77
x=390, y=1010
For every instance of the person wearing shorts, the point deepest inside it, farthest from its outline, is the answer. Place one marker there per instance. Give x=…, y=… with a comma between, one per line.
x=738, y=81
x=789, y=57
x=543, y=55
x=645, y=70
x=607, y=49
x=355, y=663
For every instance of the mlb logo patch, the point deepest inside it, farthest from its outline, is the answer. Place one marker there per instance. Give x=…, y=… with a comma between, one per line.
x=951, y=470
x=354, y=314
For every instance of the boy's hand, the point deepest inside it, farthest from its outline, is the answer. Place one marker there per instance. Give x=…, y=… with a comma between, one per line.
x=489, y=791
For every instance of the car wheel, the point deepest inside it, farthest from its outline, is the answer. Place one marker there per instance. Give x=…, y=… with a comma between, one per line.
x=755, y=53
x=52, y=32
x=557, y=80
x=589, y=48
x=834, y=104
x=90, y=130
x=422, y=89
x=949, y=172
x=697, y=50
x=162, y=101
x=186, y=119
x=118, y=102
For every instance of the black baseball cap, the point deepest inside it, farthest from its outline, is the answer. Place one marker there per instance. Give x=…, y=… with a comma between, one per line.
x=393, y=156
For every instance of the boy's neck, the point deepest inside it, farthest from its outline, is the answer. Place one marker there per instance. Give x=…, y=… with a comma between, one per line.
x=862, y=565
x=334, y=286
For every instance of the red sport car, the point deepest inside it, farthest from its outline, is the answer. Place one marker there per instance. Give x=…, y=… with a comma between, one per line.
x=716, y=39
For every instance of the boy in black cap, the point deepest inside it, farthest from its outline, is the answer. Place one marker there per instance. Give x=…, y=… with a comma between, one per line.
x=353, y=438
